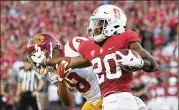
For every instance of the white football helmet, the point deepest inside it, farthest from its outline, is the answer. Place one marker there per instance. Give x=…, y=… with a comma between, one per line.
x=107, y=20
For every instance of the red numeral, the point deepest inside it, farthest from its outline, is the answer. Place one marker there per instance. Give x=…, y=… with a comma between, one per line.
x=106, y=67
x=81, y=84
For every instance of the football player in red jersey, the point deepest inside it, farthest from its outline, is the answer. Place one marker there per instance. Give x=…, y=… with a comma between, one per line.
x=107, y=29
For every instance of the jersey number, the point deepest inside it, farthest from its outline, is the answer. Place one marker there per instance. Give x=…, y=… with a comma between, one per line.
x=111, y=68
x=80, y=83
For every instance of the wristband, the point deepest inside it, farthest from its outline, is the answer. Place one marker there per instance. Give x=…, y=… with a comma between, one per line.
x=154, y=66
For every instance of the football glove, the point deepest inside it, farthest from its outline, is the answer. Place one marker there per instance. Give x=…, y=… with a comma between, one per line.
x=62, y=70
x=130, y=60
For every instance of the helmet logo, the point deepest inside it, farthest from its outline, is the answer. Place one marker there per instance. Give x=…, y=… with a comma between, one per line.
x=116, y=13
x=38, y=39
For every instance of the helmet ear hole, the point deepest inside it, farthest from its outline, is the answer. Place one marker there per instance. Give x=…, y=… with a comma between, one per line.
x=116, y=26
x=115, y=33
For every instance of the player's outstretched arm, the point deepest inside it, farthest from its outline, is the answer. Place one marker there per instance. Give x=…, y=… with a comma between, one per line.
x=64, y=93
x=77, y=62
x=149, y=64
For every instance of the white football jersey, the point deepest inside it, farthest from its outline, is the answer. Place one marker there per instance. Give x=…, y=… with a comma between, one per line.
x=83, y=79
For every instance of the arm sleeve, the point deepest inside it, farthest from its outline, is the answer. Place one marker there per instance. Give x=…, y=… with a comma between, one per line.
x=132, y=37
x=75, y=43
x=81, y=49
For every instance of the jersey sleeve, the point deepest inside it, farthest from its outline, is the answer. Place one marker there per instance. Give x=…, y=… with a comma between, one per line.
x=132, y=37
x=82, y=48
x=75, y=42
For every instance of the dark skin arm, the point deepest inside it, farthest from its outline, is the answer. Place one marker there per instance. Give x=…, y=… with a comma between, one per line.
x=144, y=54
x=77, y=62
x=64, y=93
x=62, y=88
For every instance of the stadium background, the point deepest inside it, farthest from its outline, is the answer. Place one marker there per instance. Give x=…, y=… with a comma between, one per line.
x=155, y=21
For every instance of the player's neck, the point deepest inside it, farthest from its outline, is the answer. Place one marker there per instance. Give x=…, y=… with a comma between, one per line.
x=101, y=43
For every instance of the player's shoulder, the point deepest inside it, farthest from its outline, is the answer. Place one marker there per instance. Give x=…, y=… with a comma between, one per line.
x=75, y=42
x=129, y=33
x=86, y=44
x=79, y=39
x=130, y=36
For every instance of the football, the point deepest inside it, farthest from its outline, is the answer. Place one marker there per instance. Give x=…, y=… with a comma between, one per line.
x=125, y=67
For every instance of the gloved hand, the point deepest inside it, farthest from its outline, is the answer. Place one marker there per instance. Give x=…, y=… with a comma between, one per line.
x=62, y=70
x=130, y=60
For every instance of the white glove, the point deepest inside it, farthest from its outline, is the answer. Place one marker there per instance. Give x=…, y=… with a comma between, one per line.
x=38, y=56
x=53, y=78
x=130, y=60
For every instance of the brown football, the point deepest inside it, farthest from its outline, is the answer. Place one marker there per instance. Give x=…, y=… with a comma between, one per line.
x=125, y=52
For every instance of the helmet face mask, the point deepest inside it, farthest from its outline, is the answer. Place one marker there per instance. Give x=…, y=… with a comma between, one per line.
x=96, y=28
x=41, y=70
x=45, y=43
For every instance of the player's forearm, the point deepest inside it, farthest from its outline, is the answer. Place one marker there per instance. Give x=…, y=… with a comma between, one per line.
x=64, y=93
x=79, y=63
x=73, y=62
x=149, y=64
x=54, y=61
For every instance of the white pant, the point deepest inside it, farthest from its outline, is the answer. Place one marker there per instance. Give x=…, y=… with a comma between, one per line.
x=140, y=103
x=120, y=101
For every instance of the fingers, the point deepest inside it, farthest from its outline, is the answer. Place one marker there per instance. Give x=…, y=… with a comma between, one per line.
x=119, y=53
x=61, y=70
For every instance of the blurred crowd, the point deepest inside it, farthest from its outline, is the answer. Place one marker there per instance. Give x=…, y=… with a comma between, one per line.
x=156, y=22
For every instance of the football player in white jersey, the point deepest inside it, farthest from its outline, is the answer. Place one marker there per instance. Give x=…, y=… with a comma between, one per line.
x=83, y=79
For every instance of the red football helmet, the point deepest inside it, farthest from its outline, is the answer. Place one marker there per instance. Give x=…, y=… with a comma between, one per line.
x=46, y=42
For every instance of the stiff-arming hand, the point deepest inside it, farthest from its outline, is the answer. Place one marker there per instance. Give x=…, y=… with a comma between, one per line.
x=62, y=70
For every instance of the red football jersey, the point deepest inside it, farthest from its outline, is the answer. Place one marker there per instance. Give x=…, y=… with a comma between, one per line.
x=110, y=76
